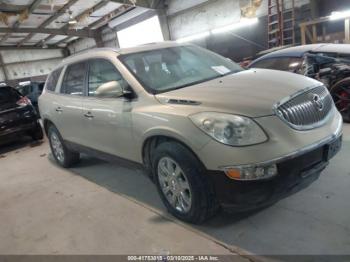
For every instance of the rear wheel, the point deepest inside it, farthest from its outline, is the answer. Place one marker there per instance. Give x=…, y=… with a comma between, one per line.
x=341, y=96
x=63, y=156
x=181, y=183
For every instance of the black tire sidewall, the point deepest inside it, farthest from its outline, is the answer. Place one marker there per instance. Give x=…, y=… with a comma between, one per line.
x=334, y=89
x=37, y=133
x=194, y=174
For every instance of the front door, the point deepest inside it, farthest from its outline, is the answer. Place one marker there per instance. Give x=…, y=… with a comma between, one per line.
x=107, y=119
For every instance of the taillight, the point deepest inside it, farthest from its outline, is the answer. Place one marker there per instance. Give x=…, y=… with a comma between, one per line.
x=24, y=101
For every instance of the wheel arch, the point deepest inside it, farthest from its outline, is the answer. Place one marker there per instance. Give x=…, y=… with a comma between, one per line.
x=47, y=123
x=347, y=79
x=153, y=141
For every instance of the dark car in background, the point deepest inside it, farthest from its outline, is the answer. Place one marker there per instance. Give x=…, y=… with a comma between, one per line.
x=328, y=63
x=17, y=116
x=32, y=90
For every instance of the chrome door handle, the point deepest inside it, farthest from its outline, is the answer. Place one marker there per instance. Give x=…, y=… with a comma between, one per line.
x=59, y=109
x=88, y=115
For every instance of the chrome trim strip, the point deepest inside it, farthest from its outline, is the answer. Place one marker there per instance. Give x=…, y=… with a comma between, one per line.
x=286, y=99
x=294, y=154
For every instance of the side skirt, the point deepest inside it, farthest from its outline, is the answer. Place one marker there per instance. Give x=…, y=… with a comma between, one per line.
x=103, y=156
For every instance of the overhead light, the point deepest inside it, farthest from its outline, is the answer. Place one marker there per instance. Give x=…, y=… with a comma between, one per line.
x=193, y=37
x=243, y=23
x=339, y=15
x=72, y=22
x=25, y=83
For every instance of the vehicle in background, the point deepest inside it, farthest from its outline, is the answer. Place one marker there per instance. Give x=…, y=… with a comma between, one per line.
x=17, y=116
x=328, y=63
x=210, y=133
x=32, y=91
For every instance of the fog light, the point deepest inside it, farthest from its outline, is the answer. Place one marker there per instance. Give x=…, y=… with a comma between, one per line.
x=252, y=172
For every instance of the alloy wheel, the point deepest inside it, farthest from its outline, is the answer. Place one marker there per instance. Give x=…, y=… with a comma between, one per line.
x=174, y=184
x=57, y=147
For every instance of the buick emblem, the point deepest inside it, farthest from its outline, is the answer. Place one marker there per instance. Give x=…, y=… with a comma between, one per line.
x=318, y=102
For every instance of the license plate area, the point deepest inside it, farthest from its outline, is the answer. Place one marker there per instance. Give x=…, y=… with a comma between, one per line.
x=333, y=148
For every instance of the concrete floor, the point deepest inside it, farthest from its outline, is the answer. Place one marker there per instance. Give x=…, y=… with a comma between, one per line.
x=104, y=208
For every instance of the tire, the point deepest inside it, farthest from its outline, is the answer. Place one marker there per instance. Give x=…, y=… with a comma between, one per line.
x=37, y=134
x=191, y=173
x=341, y=96
x=63, y=156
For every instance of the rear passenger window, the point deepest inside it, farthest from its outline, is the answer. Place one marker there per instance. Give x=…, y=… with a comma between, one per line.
x=74, y=79
x=53, y=79
x=8, y=94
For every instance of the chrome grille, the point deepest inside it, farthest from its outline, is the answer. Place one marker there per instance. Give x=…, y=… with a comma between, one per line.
x=307, y=110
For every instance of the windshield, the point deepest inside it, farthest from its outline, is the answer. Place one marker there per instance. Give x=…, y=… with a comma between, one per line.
x=172, y=68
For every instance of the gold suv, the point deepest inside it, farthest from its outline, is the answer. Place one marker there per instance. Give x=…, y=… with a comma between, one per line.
x=210, y=134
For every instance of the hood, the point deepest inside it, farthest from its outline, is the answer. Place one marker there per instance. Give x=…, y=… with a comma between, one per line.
x=251, y=93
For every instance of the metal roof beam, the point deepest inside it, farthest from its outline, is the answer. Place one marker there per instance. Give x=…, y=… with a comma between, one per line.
x=69, y=32
x=26, y=47
x=48, y=21
x=78, y=17
x=103, y=20
x=152, y=4
x=30, y=9
x=110, y=16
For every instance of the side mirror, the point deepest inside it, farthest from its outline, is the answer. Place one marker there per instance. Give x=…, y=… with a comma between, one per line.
x=110, y=89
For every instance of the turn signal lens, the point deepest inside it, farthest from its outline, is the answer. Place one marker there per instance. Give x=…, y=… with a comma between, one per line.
x=233, y=173
x=252, y=172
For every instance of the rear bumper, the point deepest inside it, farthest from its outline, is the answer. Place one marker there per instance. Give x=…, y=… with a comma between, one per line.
x=18, y=121
x=294, y=174
x=19, y=129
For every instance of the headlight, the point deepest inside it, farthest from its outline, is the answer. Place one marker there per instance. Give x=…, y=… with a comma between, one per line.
x=230, y=129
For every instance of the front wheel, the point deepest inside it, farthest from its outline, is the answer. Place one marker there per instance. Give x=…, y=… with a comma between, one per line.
x=63, y=156
x=341, y=96
x=182, y=184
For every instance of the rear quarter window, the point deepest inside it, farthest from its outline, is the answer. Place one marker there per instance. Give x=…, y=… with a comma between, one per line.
x=290, y=64
x=52, y=80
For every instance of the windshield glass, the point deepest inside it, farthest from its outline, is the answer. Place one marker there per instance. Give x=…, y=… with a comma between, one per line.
x=172, y=68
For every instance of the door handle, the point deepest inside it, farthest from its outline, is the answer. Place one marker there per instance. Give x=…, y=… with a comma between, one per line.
x=59, y=109
x=88, y=115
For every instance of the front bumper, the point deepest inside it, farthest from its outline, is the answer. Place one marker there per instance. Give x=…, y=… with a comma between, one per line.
x=294, y=174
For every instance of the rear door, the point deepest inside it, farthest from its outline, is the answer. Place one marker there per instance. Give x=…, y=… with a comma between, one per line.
x=68, y=106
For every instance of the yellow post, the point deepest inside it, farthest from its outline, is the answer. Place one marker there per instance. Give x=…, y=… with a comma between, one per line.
x=347, y=30
x=303, y=36
x=314, y=34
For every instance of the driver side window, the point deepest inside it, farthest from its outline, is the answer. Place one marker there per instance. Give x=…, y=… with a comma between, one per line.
x=102, y=73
